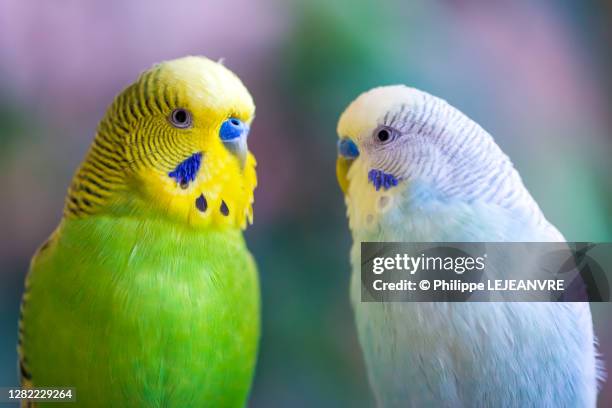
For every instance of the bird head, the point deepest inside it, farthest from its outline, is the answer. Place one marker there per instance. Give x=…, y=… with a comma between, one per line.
x=394, y=139
x=175, y=143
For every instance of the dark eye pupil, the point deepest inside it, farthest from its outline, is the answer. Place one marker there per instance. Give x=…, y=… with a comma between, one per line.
x=180, y=116
x=383, y=135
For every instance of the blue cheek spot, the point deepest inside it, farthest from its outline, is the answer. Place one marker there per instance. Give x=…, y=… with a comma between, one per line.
x=232, y=129
x=187, y=170
x=381, y=179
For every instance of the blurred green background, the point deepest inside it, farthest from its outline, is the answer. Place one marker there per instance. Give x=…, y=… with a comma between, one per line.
x=534, y=74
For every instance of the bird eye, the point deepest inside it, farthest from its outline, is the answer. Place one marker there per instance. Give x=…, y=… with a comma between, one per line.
x=384, y=135
x=180, y=118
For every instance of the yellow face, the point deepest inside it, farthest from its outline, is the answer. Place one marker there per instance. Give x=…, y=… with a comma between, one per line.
x=359, y=149
x=173, y=143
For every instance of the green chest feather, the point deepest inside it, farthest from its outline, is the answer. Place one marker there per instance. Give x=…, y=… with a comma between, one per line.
x=135, y=312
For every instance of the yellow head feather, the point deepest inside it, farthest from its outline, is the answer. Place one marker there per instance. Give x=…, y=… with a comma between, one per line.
x=138, y=145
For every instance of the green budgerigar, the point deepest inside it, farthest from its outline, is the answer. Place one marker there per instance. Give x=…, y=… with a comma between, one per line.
x=146, y=294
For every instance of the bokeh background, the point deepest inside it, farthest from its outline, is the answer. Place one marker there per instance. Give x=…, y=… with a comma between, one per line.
x=536, y=74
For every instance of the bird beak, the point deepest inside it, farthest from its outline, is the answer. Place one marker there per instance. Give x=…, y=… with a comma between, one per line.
x=234, y=133
x=238, y=147
x=347, y=153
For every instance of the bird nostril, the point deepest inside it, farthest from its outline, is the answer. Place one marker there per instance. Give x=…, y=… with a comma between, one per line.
x=348, y=149
x=232, y=129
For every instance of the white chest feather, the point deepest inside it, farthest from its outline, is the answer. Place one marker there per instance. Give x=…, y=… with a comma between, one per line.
x=467, y=354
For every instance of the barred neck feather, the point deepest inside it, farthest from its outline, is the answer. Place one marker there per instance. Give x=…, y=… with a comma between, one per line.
x=457, y=156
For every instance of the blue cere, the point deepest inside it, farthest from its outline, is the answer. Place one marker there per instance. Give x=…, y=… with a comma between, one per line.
x=381, y=179
x=347, y=148
x=187, y=170
x=232, y=129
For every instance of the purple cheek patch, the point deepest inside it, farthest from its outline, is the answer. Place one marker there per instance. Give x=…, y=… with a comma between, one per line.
x=381, y=179
x=187, y=170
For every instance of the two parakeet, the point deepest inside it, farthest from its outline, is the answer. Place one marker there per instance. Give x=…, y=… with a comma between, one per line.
x=415, y=169
x=145, y=294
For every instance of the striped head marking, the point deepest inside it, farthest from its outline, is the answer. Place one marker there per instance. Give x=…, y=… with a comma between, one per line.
x=170, y=142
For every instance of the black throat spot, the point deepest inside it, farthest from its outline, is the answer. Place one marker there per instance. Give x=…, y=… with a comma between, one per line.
x=224, y=209
x=201, y=203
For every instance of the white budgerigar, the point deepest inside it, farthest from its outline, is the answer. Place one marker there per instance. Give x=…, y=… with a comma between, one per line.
x=413, y=168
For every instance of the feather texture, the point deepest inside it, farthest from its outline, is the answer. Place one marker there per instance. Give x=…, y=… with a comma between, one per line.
x=456, y=186
x=146, y=294
x=143, y=312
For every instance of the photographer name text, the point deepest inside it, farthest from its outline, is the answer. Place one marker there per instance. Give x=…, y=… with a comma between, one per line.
x=456, y=285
